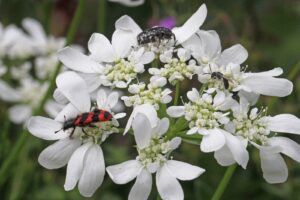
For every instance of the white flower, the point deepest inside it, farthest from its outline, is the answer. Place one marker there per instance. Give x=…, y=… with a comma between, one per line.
x=26, y=97
x=129, y=3
x=206, y=48
x=257, y=129
x=40, y=42
x=8, y=36
x=253, y=84
x=81, y=150
x=175, y=68
x=152, y=93
x=182, y=33
x=154, y=150
x=206, y=116
x=110, y=64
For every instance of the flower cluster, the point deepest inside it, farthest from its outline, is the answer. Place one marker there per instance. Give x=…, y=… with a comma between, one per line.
x=148, y=65
x=28, y=60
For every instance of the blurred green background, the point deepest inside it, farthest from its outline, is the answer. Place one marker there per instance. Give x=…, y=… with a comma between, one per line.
x=269, y=29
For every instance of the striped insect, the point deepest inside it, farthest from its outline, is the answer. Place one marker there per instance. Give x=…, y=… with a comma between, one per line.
x=86, y=120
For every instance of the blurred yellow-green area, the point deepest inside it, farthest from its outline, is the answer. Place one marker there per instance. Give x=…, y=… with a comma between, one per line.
x=268, y=29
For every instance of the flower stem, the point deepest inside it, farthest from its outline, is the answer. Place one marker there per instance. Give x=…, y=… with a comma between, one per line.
x=177, y=93
x=224, y=182
x=23, y=136
x=101, y=16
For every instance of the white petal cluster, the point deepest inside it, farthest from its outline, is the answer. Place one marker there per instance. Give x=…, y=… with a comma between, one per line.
x=146, y=72
x=31, y=59
x=152, y=93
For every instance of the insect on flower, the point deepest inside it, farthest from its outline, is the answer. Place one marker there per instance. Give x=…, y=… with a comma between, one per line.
x=220, y=76
x=86, y=119
x=155, y=35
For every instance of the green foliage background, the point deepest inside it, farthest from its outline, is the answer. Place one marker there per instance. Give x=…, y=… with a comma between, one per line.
x=269, y=29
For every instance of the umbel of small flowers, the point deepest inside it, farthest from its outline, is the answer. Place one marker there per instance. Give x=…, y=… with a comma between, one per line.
x=27, y=61
x=218, y=110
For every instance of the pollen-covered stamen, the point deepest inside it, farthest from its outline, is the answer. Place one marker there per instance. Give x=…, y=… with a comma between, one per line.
x=152, y=94
x=97, y=132
x=157, y=152
x=121, y=70
x=254, y=127
x=202, y=114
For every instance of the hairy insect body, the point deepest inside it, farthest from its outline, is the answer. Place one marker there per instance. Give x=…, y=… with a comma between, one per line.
x=155, y=34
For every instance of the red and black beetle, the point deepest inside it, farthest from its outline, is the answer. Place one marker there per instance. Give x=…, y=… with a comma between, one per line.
x=86, y=119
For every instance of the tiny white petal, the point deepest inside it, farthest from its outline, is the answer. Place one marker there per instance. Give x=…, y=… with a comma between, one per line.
x=101, y=98
x=113, y=99
x=224, y=156
x=193, y=95
x=175, y=142
x=175, y=111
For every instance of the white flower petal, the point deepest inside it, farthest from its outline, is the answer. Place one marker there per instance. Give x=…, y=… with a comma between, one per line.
x=113, y=99
x=184, y=171
x=212, y=141
x=75, y=89
x=175, y=111
x=126, y=23
x=269, y=86
x=147, y=57
x=284, y=123
x=273, y=167
x=142, y=186
x=75, y=166
x=59, y=97
x=224, y=156
x=191, y=25
x=288, y=146
x=77, y=61
x=175, y=143
x=273, y=72
x=142, y=130
x=124, y=172
x=162, y=127
x=7, y=93
x=68, y=112
x=93, y=81
x=19, y=113
x=237, y=148
x=147, y=110
x=193, y=95
x=101, y=99
x=167, y=185
x=129, y=3
x=93, y=171
x=58, y=154
x=100, y=48
x=45, y=128
x=35, y=29
x=192, y=131
x=122, y=42
x=119, y=115
x=236, y=54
